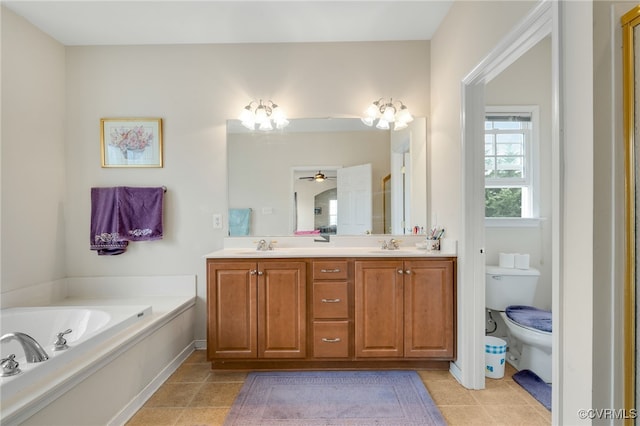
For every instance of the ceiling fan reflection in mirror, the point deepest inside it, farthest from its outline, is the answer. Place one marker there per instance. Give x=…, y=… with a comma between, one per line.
x=318, y=177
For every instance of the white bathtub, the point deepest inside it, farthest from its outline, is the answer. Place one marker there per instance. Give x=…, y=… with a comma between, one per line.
x=90, y=327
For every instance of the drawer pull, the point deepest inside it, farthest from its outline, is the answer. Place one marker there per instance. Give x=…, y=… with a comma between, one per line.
x=331, y=300
x=334, y=340
x=330, y=271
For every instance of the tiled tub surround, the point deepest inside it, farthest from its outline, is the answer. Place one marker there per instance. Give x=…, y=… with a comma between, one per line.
x=111, y=380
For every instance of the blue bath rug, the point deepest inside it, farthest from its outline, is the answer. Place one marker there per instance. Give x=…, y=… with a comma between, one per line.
x=535, y=386
x=380, y=398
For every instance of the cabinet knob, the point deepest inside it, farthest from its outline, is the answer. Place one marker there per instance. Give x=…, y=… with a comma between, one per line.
x=253, y=272
x=260, y=273
x=334, y=340
x=400, y=271
x=408, y=271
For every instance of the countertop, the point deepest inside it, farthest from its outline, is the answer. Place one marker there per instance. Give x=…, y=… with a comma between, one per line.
x=304, y=252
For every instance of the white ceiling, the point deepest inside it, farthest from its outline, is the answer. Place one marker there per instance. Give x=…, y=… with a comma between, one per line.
x=113, y=22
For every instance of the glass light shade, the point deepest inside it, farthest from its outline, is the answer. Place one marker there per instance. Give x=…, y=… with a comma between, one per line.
x=404, y=115
x=261, y=114
x=382, y=124
x=266, y=125
x=372, y=111
x=389, y=114
x=399, y=125
x=368, y=121
x=277, y=113
x=246, y=114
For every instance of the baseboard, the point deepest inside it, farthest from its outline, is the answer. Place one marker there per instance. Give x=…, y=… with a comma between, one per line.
x=200, y=345
x=138, y=401
x=455, y=372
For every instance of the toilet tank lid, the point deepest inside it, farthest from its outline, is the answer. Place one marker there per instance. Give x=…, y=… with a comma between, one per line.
x=496, y=270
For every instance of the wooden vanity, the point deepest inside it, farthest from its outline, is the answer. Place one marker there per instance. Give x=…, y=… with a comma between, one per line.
x=331, y=312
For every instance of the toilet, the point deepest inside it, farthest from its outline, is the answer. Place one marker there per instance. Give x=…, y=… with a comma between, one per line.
x=511, y=292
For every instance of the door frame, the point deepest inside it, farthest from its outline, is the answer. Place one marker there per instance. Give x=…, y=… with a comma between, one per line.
x=541, y=21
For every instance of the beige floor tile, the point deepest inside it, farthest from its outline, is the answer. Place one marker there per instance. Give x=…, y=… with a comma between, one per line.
x=202, y=417
x=515, y=415
x=227, y=376
x=174, y=395
x=216, y=395
x=445, y=392
x=432, y=375
x=465, y=415
x=498, y=393
x=155, y=417
x=191, y=373
x=197, y=357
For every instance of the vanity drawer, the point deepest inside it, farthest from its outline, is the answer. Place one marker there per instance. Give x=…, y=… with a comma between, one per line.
x=330, y=270
x=330, y=300
x=331, y=339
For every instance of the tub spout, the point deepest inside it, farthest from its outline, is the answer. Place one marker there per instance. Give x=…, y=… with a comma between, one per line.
x=32, y=349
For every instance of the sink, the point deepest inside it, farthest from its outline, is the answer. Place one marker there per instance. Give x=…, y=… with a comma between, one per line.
x=392, y=252
x=259, y=253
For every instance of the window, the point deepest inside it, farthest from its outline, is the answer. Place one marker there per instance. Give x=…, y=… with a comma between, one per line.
x=509, y=162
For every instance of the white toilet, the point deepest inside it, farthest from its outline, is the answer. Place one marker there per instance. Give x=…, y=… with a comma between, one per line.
x=511, y=292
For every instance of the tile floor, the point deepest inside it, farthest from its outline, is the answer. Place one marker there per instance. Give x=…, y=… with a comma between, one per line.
x=196, y=395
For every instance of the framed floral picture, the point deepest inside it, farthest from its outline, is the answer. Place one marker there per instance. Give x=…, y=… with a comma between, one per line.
x=131, y=142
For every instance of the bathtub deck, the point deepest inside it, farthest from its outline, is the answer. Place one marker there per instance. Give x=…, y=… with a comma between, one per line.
x=48, y=396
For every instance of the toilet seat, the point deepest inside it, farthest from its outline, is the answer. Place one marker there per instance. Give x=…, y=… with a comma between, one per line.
x=531, y=318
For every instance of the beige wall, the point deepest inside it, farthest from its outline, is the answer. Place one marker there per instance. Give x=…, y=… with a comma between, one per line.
x=33, y=149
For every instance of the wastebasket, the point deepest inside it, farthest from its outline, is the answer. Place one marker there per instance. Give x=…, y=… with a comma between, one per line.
x=495, y=351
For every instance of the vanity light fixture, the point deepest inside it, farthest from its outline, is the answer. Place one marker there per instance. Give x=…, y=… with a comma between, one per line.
x=387, y=112
x=263, y=115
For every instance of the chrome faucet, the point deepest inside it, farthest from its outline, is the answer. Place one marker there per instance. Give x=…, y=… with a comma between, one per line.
x=32, y=349
x=392, y=244
x=264, y=246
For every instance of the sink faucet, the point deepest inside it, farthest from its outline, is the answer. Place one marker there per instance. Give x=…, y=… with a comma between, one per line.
x=392, y=244
x=32, y=349
x=264, y=246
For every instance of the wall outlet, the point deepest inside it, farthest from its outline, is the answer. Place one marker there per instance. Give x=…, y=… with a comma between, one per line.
x=217, y=221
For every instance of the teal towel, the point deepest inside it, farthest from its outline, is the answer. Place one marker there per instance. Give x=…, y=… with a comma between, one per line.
x=239, y=220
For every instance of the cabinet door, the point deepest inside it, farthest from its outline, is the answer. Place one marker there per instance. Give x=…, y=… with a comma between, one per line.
x=379, y=309
x=231, y=304
x=429, y=309
x=282, y=309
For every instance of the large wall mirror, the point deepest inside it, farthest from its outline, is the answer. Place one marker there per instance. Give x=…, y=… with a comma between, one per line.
x=631, y=66
x=326, y=176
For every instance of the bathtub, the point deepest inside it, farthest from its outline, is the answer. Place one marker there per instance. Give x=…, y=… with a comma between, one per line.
x=90, y=327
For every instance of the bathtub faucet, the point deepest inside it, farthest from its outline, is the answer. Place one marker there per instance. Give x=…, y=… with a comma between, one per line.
x=32, y=349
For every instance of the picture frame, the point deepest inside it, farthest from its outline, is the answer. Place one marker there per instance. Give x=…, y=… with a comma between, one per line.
x=131, y=142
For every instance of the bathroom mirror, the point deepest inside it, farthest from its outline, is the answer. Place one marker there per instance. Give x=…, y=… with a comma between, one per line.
x=271, y=181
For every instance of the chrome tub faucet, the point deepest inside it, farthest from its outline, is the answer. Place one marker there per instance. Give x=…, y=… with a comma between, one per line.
x=32, y=349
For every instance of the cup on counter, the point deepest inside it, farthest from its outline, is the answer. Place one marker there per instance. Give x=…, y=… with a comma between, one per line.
x=433, y=245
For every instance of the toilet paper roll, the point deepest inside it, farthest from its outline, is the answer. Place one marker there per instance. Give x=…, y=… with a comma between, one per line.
x=507, y=260
x=521, y=261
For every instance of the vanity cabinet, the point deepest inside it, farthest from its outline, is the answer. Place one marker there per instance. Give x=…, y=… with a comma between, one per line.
x=256, y=309
x=337, y=313
x=404, y=308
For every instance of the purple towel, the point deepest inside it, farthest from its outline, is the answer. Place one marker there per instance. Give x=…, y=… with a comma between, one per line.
x=123, y=214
